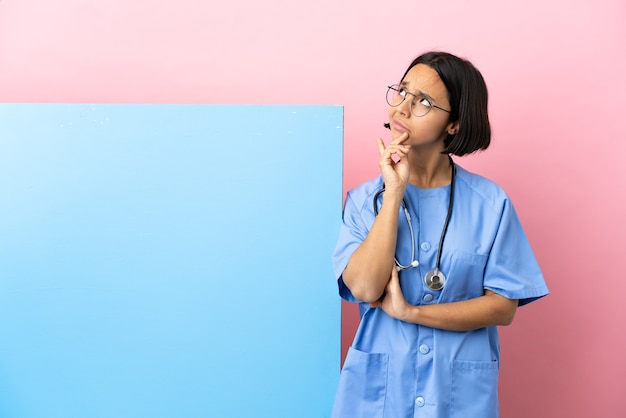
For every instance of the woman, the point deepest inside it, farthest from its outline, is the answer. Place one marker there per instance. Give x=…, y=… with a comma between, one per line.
x=434, y=254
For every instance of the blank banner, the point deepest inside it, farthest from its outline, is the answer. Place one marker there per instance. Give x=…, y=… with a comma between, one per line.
x=169, y=260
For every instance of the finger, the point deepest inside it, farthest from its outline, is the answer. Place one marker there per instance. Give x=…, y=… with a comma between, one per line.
x=399, y=152
x=402, y=138
x=398, y=147
x=381, y=146
x=394, y=282
x=394, y=273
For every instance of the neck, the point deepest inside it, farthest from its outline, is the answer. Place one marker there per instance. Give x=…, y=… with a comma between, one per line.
x=430, y=172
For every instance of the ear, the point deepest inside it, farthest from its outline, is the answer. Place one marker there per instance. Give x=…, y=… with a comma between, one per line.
x=453, y=128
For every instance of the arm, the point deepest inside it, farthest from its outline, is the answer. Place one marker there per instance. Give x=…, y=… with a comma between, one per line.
x=487, y=310
x=367, y=272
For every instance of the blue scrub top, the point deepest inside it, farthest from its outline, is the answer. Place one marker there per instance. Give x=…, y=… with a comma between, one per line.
x=397, y=369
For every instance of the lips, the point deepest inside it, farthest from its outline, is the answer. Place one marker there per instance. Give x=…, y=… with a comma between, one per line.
x=398, y=126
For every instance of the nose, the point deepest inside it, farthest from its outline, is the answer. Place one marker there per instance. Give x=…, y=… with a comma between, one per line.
x=405, y=107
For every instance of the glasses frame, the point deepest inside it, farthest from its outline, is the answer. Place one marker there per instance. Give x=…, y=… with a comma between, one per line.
x=398, y=89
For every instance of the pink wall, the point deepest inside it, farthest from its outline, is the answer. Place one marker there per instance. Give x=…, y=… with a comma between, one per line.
x=556, y=76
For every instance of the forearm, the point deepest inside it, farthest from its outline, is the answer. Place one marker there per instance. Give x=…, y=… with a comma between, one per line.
x=488, y=310
x=367, y=272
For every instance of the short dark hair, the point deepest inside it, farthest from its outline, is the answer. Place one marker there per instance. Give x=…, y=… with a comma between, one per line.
x=467, y=94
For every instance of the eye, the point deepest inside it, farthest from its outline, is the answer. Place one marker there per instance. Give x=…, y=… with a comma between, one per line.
x=423, y=101
x=401, y=91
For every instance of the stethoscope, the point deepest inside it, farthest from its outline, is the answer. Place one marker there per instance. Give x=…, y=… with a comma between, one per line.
x=434, y=279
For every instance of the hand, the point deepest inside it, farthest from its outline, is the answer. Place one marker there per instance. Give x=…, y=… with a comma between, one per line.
x=393, y=302
x=395, y=173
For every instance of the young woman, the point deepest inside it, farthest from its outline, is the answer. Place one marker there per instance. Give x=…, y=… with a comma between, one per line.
x=434, y=254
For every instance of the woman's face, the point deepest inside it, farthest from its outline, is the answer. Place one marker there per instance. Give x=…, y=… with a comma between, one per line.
x=432, y=128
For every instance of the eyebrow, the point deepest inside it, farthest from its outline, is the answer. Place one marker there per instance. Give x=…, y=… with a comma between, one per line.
x=419, y=92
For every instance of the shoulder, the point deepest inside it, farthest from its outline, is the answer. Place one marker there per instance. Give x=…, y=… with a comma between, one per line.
x=477, y=187
x=364, y=192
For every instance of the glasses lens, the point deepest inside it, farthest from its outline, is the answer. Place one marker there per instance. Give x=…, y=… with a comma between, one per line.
x=420, y=106
x=393, y=95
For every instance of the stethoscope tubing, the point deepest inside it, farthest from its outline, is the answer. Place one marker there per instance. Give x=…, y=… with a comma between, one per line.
x=407, y=215
x=405, y=208
x=448, y=215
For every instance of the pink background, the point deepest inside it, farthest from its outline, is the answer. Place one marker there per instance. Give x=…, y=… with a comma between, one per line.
x=555, y=72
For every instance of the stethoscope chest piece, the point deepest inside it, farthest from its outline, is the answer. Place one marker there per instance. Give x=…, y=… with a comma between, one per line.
x=435, y=279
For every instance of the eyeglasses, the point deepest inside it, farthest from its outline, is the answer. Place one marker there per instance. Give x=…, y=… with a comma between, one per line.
x=420, y=105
